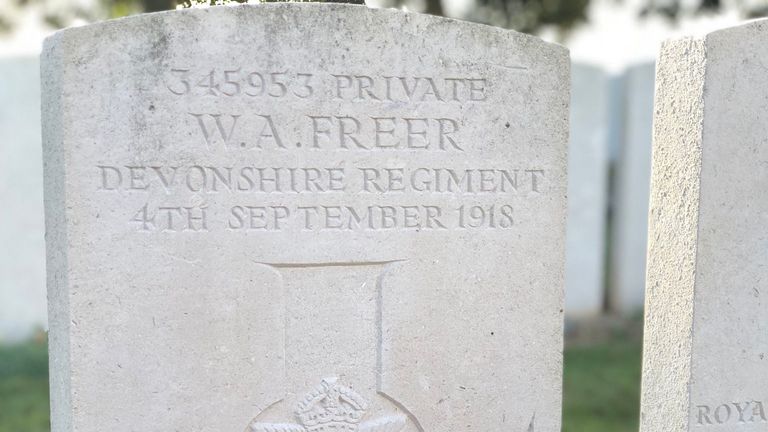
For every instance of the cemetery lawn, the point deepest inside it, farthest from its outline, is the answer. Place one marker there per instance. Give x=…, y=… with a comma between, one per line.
x=602, y=387
x=24, y=387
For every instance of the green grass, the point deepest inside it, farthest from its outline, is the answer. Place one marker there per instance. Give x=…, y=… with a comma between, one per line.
x=24, y=388
x=601, y=387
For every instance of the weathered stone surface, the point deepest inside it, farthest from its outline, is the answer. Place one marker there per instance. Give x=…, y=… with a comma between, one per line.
x=22, y=243
x=403, y=272
x=706, y=340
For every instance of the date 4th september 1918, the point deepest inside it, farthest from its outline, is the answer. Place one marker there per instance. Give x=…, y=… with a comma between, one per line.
x=324, y=218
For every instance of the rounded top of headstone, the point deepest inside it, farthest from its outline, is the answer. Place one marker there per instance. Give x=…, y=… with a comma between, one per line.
x=755, y=26
x=240, y=23
x=743, y=39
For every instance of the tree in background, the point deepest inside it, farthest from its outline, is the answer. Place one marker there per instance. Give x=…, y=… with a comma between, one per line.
x=523, y=15
x=528, y=16
x=674, y=9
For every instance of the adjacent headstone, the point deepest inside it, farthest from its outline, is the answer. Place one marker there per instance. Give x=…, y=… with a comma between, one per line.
x=22, y=241
x=588, y=162
x=304, y=217
x=706, y=339
x=631, y=192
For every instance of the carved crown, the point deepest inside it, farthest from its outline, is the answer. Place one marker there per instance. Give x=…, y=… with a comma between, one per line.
x=331, y=407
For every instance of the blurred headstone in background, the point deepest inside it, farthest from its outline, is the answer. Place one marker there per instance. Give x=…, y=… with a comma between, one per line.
x=588, y=163
x=611, y=121
x=632, y=174
x=22, y=244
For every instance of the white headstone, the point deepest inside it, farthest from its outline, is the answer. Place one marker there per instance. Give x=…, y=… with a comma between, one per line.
x=632, y=183
x=706, y=339
x=305, y=217
x=22, y=241
x=587, y=193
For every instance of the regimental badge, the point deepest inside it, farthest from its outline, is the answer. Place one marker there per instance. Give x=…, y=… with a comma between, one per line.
x=332, y=407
